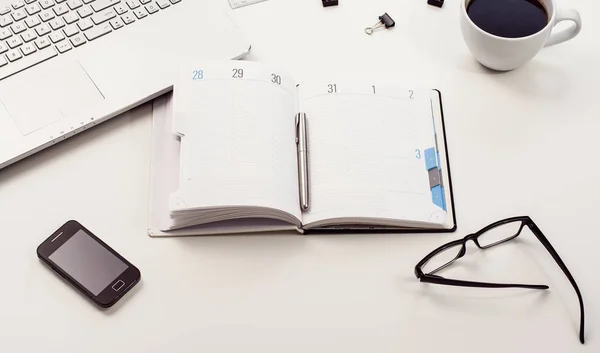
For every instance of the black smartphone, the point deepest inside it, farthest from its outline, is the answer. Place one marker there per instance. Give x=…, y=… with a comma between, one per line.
x=87, y=263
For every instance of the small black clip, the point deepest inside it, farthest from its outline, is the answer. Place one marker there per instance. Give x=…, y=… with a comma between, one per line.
x=384, y=20
x=436, y=3
x=327, y=3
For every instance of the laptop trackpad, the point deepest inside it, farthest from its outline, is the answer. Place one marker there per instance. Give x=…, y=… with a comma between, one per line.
x=51, y=96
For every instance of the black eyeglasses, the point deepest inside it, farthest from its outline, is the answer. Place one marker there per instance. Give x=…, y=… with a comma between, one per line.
x=492, y=235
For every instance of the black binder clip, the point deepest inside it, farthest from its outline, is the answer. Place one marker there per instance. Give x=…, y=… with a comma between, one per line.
x=436, y=3
x=384, y=20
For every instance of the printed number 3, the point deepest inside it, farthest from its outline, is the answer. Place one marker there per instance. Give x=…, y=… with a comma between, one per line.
x=418, y=154
x=198, y=75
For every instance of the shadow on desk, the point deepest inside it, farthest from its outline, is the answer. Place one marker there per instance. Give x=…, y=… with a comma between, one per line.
x=538, y=79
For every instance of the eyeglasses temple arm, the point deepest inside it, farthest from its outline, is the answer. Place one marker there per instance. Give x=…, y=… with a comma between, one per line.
x=538, y=234
x=460, y=283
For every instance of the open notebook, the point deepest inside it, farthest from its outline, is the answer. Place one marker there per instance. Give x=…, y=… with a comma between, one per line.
x=225, y=155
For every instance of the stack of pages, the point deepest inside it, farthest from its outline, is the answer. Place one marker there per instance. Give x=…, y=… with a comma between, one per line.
x=225, y=156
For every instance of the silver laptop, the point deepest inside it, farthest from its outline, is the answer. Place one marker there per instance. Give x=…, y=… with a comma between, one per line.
x=67, y=65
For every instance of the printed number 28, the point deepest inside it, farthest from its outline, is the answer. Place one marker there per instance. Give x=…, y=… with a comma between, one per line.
x=418, y=154
x=198, y=75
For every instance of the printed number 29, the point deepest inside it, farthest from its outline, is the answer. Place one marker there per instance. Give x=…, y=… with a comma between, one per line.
x=418, y=154
x=238, y=73
x=198, y=75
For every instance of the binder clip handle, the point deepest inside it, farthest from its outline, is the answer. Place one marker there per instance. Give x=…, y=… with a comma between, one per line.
x=385, y=20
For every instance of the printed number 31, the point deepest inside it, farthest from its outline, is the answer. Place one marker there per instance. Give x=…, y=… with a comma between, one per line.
x=198, y=75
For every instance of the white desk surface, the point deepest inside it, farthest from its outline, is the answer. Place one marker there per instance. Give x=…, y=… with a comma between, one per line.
x=521, y=143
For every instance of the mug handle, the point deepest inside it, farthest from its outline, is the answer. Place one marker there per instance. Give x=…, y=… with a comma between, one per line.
x=565, y=14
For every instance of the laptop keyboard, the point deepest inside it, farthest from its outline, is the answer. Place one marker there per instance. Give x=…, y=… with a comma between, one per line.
x=33, y=31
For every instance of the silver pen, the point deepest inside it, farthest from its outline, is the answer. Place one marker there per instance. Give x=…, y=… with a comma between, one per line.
x=302, y=147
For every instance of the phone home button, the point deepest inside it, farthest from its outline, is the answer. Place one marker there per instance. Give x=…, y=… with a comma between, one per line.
x=118, y=285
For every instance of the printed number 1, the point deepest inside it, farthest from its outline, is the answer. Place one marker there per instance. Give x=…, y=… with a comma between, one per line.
x=198, y=75
x=418, y=154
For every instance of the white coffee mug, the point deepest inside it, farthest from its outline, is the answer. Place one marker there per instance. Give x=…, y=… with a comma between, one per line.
x=503, y=54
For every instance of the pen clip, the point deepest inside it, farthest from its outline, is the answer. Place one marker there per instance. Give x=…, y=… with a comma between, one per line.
x=297, y=122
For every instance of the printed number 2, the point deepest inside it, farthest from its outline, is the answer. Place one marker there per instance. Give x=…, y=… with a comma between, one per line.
x=238, y=73
x=411, y=94
x=198, y=75
x=418, y=154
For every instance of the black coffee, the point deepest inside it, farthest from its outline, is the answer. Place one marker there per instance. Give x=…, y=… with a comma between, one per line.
x=508, y=18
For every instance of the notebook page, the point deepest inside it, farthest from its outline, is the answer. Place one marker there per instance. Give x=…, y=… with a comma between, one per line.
x=369, y=152
x=238, y=147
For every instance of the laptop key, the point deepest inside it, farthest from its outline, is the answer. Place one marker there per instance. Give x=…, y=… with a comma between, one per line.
x=28, y=49
x=56, y=37
x=18, y=27
x=71, y=17
x=42, y=43
x=85, y=12
x=133, y=4
x=85, y=24
x=57, y=24
x=14, y=55
x=64, y=46
x=121, y=9
x=5, y=21
x=18, y=15
x=5, y=33
x=152, y=8
x=47, y=15
x=60, y=10
x=43, y=29
x=78, y=40
x=46, y=4
x=140, y=13
x=104, y=16
x=3, y=61
x=100, y=5
x=74, y=4
x=14, y=42
x=70, y=30
x=3, y=48
x=117, y=23
x=97, y=31
x=18, y=4
x=163, y=3
x=32, y=9
x=32, y=21
x=128, y=18
x=28, y=36
x=4, y=10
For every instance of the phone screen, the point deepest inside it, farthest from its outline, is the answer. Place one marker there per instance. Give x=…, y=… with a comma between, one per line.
x=88, y=262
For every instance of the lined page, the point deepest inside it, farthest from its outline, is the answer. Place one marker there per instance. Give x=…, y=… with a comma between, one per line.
x=367, y=148
x=238, y=147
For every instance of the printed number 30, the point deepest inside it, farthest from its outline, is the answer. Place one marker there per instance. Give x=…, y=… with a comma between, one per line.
x=418, y=154
x=198, y=75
